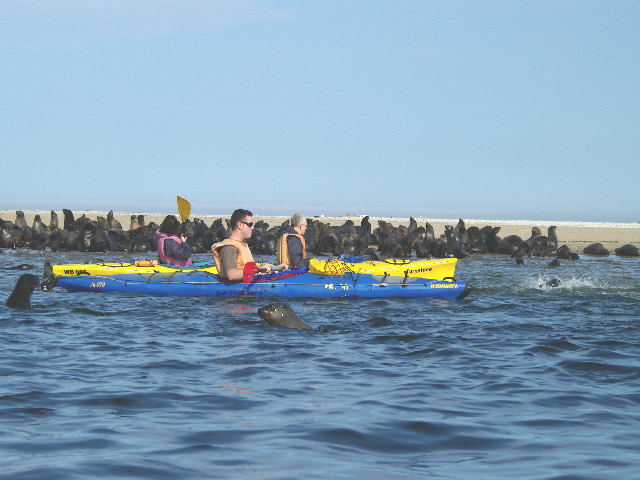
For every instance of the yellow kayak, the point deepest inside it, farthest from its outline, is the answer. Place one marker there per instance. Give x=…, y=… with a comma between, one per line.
x=115, y=268
x=437, y=269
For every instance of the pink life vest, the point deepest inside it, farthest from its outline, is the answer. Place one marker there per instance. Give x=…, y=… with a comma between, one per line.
x=160, y=247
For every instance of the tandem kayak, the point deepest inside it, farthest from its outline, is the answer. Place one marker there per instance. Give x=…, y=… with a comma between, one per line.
x=287, y=284
x=435, y=269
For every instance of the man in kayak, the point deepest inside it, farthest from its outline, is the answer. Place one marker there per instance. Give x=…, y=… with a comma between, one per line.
x=233, y=254
x=172, y=250
x=291, y=247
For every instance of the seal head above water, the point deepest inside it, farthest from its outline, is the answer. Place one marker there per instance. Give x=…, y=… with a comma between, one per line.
x=21, y=295
x=281, y=315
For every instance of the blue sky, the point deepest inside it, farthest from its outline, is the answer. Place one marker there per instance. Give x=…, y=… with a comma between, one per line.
x=475, y=109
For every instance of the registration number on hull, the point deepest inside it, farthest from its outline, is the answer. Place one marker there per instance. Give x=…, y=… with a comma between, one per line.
x=331, y=286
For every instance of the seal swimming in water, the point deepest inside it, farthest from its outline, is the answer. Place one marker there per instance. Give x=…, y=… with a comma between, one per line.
x=281, y=315
x=554, y=282
x=22, y=266
x=21, y=295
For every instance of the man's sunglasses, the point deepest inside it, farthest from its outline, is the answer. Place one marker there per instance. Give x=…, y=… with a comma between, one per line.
x=248, y=224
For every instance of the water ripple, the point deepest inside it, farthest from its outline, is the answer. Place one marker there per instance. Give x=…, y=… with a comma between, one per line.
x=407, y=438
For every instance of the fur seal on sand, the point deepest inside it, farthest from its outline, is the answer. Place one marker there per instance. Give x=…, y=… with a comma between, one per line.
x=53, y=224
x=21, y=295
x=543, y=246
x=39, y=234
x=134, y=225
x=628, y=250
x=476, y=242
x=535, y=233
x=511, y=245
x=596, y=249
x=69, y=219
x=20, y=221
x=112, y=222
x=281, y=315
x=566, y=254
x=454, y=246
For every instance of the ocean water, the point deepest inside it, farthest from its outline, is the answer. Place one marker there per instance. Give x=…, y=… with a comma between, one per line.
x=518, y=380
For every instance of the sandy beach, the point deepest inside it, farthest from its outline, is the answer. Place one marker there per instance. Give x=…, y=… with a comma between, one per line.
x=576, y=235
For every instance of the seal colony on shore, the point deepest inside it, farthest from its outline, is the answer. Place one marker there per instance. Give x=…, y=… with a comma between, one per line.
x=100, y=231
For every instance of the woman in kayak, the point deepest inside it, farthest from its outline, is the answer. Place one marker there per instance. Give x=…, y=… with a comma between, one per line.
x=173, y=249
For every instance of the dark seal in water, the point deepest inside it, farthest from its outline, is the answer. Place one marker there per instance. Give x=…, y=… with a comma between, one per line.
x=21, y=295
x=281, y=315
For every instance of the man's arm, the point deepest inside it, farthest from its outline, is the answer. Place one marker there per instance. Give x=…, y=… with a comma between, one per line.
x=229, y=260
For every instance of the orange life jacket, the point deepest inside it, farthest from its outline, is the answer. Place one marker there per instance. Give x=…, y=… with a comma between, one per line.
x=244, y=254
x=283, y=248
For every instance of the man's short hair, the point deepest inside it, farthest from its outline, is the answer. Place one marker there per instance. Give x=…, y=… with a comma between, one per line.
x=238, y=216
x=298, y=219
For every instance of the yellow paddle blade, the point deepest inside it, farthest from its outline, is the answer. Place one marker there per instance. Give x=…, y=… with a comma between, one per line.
x=184, y=208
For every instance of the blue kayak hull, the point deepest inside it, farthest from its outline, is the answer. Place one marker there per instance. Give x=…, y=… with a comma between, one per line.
x=203, y=284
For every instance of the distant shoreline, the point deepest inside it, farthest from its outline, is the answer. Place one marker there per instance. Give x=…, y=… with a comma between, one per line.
x=576, y=235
